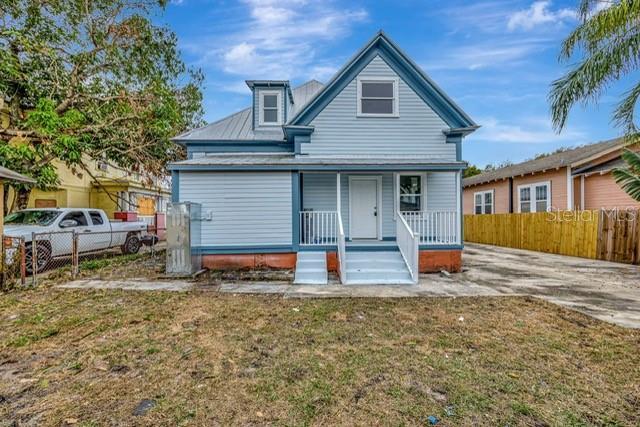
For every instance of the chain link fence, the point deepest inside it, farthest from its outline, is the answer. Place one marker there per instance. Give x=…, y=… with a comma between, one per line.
x=12, y=263
x=69, y=253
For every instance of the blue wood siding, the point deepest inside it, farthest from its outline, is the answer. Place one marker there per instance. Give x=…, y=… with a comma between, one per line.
x=319, y=193
x=417, y=131
x=248, y=208
x=441, y=191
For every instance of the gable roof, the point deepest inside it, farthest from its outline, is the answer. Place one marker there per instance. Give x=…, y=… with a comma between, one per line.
x=553, y=161
x=381, y=45
x=239, y=126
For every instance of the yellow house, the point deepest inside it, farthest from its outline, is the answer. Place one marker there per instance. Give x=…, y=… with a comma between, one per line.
x=107, y=187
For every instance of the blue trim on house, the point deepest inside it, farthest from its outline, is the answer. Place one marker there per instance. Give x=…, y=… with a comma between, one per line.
x=175, y=186
x=299, y=167
x=455, y=138
x=295, y=209
x=440, y=247
x=231, y=250
x=404, y=67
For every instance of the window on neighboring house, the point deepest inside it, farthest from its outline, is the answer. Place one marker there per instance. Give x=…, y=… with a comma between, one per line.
x=378, y=97
x=410, y=196
x=269, y=108
x=534, y=197
x=483, y=202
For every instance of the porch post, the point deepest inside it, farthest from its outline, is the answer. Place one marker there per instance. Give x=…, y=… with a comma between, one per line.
x=459, y=206
x=295, y=210
x=338, y=195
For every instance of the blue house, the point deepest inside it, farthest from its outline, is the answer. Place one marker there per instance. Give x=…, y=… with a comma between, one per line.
x=361, y=176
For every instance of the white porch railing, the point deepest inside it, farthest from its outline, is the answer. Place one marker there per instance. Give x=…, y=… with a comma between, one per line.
x=408, y=241
x=434, y=227
x=342, y=252
x=318, y=228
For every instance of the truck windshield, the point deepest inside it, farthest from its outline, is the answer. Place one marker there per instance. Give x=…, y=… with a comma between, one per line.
x=31, y=217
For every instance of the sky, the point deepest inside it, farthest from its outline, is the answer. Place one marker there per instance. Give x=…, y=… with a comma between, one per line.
x=496, y=59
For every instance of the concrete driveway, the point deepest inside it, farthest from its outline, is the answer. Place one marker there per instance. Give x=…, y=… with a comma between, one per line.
x=604, y=290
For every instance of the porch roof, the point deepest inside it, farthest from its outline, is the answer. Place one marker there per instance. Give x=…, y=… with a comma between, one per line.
x=281, y=161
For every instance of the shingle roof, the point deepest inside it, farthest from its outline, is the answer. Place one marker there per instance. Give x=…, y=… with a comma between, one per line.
x=564, y=158
x=14, y=176
x=238, y=126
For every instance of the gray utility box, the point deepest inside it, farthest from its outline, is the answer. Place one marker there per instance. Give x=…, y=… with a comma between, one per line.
x=183, y=238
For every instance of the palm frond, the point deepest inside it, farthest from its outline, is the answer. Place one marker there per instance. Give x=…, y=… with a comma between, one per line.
x=632, y=159
x=597, y=29
x=593, y=74
x=624, y=113
x=628, y=181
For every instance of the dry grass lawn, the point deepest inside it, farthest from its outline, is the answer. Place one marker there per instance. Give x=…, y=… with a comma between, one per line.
x=89, y=358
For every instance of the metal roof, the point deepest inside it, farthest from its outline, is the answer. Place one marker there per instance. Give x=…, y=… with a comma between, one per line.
x=553, y=161
x=15, y=176
x=239, y=126
x=279, y=159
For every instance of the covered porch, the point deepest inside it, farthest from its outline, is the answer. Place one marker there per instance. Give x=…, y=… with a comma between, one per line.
x=370, y=210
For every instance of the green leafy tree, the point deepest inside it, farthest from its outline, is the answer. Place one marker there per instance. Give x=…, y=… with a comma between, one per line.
x=472, y=170
x=88, y=80
x=607, y=40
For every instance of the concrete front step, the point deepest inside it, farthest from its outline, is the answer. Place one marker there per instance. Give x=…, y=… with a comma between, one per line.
x=311, y=269
x=376, y=268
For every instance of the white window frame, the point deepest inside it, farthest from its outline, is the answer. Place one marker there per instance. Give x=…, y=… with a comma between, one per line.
x=423, y=195
x=532, y=192
x=396, y=96
x=493, y=202
x=261, y=95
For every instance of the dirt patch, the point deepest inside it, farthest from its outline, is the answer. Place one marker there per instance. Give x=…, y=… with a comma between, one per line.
x=202, y=358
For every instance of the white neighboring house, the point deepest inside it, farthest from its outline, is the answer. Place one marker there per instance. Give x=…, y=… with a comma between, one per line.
x=361, y=175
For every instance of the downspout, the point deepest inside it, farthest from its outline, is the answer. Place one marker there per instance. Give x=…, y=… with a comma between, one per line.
x=510, y=194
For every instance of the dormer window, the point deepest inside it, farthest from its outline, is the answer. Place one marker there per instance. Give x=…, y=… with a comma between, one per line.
x=270, y=108
x=378, y=97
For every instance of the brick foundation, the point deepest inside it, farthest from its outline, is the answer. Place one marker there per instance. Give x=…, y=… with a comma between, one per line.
x=435, y=260
x=285, y=261
x=430, y=261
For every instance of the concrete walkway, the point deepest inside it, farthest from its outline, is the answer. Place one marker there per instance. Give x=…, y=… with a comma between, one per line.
x=604, y=290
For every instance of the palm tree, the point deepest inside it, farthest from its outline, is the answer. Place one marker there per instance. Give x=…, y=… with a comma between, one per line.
x=608, y=42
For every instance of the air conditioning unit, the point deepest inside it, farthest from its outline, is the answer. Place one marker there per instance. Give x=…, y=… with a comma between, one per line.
x=103, y=166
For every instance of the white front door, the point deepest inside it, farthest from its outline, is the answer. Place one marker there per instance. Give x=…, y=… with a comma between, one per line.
x=364, y=208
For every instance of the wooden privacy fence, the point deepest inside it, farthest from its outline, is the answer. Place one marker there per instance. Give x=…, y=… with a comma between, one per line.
x=612, y=235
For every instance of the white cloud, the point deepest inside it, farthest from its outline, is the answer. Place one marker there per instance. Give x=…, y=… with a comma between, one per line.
x=279, y=39
x=530, y=131
x=492, y=54
x=539, y=13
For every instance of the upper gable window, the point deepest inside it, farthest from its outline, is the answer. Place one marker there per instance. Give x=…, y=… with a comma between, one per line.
x=270, y=108
x=378, y=97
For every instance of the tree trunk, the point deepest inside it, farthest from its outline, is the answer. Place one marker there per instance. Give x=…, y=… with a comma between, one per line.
x=23, y=198
x=5, y=196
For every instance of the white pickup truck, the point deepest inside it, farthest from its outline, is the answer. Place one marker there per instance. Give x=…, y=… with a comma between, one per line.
x=54, y=228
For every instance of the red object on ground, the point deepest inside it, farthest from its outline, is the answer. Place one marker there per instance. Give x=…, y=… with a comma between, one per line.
x=127, y=216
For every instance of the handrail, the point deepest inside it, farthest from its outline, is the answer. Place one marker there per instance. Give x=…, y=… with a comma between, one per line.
x=318, y=228
x=434, y=227
x=342, y=252
x=408, y=243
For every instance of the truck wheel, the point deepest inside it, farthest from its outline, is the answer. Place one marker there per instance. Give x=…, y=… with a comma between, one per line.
x=43, y=261
x=131, y=245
